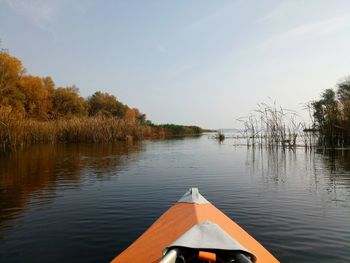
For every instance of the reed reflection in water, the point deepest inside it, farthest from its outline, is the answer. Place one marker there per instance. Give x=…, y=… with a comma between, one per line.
x=310, y=199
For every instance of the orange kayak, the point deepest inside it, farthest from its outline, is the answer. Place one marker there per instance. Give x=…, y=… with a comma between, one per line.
x=194, y=230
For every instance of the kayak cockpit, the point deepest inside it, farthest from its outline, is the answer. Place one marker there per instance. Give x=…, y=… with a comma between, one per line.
x=206, y=242
x=188, y=255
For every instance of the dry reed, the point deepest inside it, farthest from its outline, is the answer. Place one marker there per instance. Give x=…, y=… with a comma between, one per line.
x=16, y=131
x=273, y=126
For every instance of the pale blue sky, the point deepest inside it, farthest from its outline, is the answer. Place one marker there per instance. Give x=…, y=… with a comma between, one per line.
x=188, y=62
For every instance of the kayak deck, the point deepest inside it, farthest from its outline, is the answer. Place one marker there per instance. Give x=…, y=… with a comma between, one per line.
x=177, y=220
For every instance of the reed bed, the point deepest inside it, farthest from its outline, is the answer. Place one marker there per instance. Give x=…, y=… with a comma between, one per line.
x=16, y=132
x=274, y=127
x=97, y=129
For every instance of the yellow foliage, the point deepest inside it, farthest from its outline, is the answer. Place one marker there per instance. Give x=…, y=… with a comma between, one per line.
x=37, y=101
x=131, y=115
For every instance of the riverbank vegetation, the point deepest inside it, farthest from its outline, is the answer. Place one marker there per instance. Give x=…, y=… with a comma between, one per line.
x=273, y=126
x=34, y=110
x=332, y=115
x=328, y=126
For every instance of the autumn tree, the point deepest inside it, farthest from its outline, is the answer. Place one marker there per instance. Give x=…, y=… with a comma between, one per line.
x=38, y=98
x=11, y=71
x=141, y=118
x=131, y=115
x=68, y=102
x=135, y=116
x=37, y=103
x=106, y=104
x=49, y=84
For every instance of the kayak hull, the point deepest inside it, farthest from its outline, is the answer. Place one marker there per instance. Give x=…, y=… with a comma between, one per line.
x=175, y=222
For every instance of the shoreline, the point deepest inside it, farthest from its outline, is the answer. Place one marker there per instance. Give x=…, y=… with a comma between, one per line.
x=20, y=133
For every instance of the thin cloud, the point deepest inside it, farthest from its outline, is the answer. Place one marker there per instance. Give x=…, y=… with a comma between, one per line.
x=181, y=69
x=313, y=29
x=161, y=48
x=205, y=20
x=44, y=14
x=39, y=12
x=276, y=13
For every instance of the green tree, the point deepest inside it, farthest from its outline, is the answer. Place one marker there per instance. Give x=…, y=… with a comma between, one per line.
x=343, y=90
x=68, y=102
x=106, y=104
x=49, y=84
x=332, y=114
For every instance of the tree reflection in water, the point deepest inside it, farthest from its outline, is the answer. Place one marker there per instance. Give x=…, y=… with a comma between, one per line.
x=41, y=169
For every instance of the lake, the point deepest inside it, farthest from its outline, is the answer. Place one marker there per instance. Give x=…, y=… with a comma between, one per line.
x=86, y=203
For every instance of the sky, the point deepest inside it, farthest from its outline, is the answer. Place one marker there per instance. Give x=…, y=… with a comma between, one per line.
x=198, y=62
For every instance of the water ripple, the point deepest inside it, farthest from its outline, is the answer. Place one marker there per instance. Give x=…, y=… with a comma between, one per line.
x=73, y=202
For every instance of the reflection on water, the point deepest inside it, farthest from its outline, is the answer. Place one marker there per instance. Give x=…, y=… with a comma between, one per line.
x=70, y=203
x=310, y=197
x=337, y=160
x=43, y=170
x=276, y=164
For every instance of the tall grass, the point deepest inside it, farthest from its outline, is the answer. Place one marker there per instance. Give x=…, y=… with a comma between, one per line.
x=273, y=126
x=18, y=132
x=97, y=129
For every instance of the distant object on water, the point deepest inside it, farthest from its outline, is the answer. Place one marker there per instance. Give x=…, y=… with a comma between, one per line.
x=220, y=136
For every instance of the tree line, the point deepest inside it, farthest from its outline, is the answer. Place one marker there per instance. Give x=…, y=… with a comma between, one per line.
x=34, y=110
x=38, y=98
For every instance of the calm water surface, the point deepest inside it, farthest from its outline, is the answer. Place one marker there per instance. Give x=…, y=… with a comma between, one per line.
x=74, y=203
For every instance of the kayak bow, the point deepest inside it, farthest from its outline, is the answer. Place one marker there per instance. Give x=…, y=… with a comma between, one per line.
x=193, y=230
